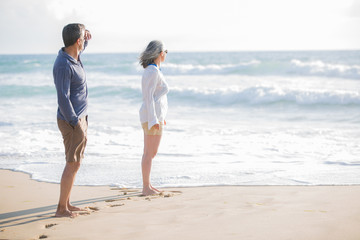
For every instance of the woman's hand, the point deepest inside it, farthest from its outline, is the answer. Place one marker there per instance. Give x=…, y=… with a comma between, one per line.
x=164, y=122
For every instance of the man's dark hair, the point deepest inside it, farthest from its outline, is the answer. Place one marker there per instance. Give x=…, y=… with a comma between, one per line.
x=71, y=33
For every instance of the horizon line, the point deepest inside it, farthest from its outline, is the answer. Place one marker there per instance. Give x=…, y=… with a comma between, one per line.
x=200, y=51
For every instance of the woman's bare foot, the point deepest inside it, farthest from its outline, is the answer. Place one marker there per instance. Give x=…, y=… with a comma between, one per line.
x=65, y=213
x=156, y=190
x=148, y=191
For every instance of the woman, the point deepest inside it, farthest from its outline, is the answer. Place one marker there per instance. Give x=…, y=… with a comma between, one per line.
x=154, y=108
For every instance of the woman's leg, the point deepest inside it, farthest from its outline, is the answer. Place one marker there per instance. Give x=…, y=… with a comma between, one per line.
x=151, y=146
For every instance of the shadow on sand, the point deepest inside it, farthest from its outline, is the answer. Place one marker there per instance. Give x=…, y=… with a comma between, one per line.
x=47, y=212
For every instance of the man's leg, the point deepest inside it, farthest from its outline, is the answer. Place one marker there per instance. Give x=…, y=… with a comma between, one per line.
x=67, y=181
x=75, y=139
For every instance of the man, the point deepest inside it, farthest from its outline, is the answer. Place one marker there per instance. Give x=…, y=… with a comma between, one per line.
x=72, y=95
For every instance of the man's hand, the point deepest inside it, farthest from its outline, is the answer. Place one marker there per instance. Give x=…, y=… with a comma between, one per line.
x=87, y=36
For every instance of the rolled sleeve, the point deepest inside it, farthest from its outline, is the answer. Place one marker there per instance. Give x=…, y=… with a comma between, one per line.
x=149, y=86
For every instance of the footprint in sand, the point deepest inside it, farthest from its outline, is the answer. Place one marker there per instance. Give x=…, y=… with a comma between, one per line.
x=165, y=195
x=125, y=191
x=170, y=194
x=94, y=208
x=83, y=213
x=110, y=200
x=162, y=194
x=50, y=225
x=176, y=192
x=42, y=236
x=117, y=205
x=129, y=191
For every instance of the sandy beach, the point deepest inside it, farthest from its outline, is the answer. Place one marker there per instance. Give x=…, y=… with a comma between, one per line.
x=236, y=212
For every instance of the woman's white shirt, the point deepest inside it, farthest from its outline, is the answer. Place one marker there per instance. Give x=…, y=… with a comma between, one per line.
x=154, y=90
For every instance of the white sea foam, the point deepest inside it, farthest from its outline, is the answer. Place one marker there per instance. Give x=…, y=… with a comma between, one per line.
x=266, y=95
x=327, y=69
x=209, y=68
x=29, y=79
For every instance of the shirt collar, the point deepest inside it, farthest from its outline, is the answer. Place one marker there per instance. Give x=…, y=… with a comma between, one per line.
x=153, y=64
x=67, y=56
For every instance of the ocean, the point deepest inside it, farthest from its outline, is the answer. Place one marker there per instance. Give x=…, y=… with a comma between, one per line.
x=235, y=118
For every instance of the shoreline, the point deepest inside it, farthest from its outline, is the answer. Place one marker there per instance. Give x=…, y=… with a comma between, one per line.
x=197, y=186
x=215, y=212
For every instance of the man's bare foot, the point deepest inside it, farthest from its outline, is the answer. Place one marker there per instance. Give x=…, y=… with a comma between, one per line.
x=148, y=191
x=66, y=213
x=75, y=209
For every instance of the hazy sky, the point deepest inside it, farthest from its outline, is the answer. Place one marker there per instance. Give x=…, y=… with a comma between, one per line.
x=188, y=25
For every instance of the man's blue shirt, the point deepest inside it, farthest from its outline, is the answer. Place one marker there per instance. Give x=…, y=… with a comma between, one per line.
x=71, y=87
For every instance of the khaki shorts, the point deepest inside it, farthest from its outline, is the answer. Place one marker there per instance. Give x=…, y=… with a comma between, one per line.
x=152, y=130
x=75, y=139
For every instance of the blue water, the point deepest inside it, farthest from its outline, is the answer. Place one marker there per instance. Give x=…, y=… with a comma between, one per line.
x=235, y=118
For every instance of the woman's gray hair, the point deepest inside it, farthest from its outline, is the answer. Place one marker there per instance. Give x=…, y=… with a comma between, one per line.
x=152, y=51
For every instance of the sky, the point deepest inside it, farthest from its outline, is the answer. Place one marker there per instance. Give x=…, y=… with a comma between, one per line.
x=31, y=27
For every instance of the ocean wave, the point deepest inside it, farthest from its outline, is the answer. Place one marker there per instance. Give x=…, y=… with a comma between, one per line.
x=232, y=95
x=172, y=68
x=2, y=124
x=264, y=95
x=25, y=91
x=320, y=68
x=290, y=67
